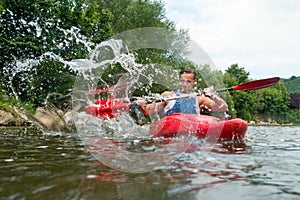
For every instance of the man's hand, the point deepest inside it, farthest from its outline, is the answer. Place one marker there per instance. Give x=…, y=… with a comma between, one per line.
x=142, y=103
x=209, y=92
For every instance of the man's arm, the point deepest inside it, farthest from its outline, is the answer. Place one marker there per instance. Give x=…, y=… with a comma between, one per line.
x=214, y=103
x=151, y=108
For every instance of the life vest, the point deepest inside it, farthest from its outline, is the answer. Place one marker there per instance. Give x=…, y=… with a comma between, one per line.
x=187, y=105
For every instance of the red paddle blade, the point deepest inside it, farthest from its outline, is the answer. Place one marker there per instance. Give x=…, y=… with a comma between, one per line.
x=257, y=84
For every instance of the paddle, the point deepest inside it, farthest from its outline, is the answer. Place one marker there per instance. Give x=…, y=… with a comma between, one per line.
x=253, y=85
x=250, y=85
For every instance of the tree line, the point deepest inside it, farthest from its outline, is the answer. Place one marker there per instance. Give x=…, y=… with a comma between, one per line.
x=292, y=84
x=68, y=28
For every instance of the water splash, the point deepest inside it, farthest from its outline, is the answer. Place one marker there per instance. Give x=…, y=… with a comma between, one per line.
x=119, y=142
x=114, y=58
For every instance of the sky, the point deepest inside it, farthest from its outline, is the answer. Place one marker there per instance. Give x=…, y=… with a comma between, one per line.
x=263, y=36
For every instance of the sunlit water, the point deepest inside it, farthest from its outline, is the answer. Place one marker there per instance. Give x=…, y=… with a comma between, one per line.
x=57, y=166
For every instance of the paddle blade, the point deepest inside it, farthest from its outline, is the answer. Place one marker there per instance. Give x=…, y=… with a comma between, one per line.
x=257, y=84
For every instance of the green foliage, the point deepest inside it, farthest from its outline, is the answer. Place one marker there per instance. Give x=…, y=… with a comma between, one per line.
x=69, y=29
x=292, y=84
x=131, y=14
x=30, y=29
x=273, y=102
x=292, y=116
x=34, y=86
x=208, y=77
x=237, y=73
x=264, y=104
x=8, y=103
x=240, y=103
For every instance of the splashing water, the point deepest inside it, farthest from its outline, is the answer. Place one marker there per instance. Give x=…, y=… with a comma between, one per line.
x=111, y=64
x=121, y=126
x=119, y=142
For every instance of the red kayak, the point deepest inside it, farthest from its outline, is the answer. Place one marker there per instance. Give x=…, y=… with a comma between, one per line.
x=183, y=124
x=199, y=125
x=174, y=125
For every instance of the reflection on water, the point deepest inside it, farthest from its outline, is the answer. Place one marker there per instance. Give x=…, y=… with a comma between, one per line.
x=58, y=166
x=45, y=166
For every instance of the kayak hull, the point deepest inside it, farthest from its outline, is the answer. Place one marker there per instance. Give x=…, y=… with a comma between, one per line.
x=201, y=126
x=176, y=125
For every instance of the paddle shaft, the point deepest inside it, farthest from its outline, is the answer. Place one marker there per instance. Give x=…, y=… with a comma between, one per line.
x=224, y=90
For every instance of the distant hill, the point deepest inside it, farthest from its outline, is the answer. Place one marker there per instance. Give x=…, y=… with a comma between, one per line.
x=292, y=84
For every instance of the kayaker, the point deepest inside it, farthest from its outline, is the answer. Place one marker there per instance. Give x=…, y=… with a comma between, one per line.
x=191, y=104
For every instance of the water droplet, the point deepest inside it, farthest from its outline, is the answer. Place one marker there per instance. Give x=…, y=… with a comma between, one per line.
x=42, y=147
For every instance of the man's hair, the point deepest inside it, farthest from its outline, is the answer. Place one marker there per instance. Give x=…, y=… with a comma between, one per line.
x=188, y=71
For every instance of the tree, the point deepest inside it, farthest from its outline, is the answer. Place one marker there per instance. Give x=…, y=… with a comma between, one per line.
x=131, y=14
x=274, y=101
x=69, y=29
x=31, y=28
x=292, y=84
x=238, y=73
x=295, y=100
x=268, y=103
x=243, y=103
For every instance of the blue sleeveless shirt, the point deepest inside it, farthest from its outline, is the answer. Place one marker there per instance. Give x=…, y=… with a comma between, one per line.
x=188, y=105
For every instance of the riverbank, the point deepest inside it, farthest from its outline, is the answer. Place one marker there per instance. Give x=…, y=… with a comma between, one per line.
x=270, y=123
x=46, y=118
x=50, y=118
x=20, y=129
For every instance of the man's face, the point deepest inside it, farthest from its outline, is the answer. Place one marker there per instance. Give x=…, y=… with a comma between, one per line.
x=186, y=83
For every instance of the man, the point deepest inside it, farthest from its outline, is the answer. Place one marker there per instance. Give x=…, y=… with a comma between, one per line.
x=190, y=104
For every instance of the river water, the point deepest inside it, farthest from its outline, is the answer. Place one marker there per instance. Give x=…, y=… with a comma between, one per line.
x=57, y=166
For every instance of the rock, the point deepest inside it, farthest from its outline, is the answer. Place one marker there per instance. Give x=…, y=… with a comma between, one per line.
x=6, y=118
x=21, y=118
x=50, y=119
x=70, y=115
x=251, y=123
x=47, y=118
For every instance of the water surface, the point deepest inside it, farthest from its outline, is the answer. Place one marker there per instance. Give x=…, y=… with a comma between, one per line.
x=58, y=166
